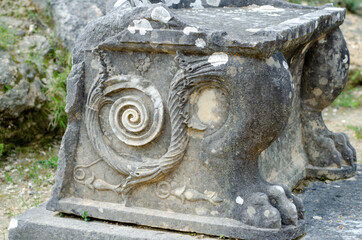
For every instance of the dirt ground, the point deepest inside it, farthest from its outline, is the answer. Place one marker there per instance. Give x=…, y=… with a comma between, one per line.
x=26, y=176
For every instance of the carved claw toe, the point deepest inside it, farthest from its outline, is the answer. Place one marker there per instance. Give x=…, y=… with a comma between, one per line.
x=343, y=145
x=287, y=209
x=328, y=149
x=272, y=209
x=296, y=200
x=259, y=212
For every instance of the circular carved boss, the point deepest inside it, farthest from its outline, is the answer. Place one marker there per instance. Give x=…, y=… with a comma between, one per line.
x=130, y=118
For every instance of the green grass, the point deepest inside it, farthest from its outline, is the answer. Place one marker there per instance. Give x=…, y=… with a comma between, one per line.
x=37, y=171
x=8, y=178
x=85, y=216
x=56, y=88
x=348, y=98
x=50, y=163
x=357, y=131
x=2, y=148
x=354, y=78
x=7, y=37
x=351, y=5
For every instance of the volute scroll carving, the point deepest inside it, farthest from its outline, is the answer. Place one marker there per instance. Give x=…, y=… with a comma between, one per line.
x=130, y=117
x=135, y=124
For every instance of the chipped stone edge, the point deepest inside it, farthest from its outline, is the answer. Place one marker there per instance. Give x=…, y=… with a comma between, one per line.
x=265, y=41
x=331, y=173
x=178, y=221
x=41, y=224
x=310, y=22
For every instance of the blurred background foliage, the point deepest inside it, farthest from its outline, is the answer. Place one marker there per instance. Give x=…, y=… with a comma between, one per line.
x=353, y=6
x=49, y=63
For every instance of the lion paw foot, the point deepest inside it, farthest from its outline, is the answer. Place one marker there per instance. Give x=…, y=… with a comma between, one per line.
x=275, y=207
x=328, y=149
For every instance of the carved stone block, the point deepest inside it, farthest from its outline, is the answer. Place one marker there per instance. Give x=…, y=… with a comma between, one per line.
x=170, y=106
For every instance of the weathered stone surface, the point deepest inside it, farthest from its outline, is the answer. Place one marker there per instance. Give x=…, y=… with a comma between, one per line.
x=18, y=96
x=35, y=43
x=71, y=16
x=39, y=223
x=170, y=108
x=8, y=71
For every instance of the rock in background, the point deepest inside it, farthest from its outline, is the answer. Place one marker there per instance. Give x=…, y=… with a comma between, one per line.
x=33, y=71
x=70, y=16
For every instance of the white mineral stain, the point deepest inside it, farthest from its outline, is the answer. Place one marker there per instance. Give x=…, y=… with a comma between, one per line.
x=279, y=188
x=323, y=81
x=218, y=58
x=285, y=64
x=160, y=14
x=214, y=213
x=295, y=21
x=239, y=200
x=345, y=60
x=266, y=213
x=266, y=8
x=142, y=25
x=94, y=64
x=236, y=18
x=250, y=210
x=206, y=103
x=13, y=223
x=315, y=154
x=188, y=30
x=317, y=217
x=321, y=41
x=100, y=210
x=97, y=11
x=197, y=4
x=290, y=95
x=189, y=195
x=317, y=92
x=332, y=9
x=253, y=30
x=214, y=3
x=119, y=3
x=170, y=2
x=232, y=71
x=271, y=62
x=201, y=211
x=200, y=43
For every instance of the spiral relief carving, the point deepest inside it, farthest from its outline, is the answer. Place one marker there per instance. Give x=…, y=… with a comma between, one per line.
x=130, y=120
x=136, y=119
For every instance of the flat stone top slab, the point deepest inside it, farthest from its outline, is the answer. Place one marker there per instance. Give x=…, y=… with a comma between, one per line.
x=254, y=30
x=240, y=23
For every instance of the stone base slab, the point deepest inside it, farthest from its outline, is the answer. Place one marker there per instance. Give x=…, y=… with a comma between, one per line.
x=41, y=224
x=331, y=173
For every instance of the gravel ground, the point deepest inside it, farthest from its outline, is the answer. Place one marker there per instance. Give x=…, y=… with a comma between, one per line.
x=333, y=209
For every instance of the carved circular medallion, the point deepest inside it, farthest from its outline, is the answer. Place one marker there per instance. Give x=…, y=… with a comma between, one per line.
x=131, y=119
